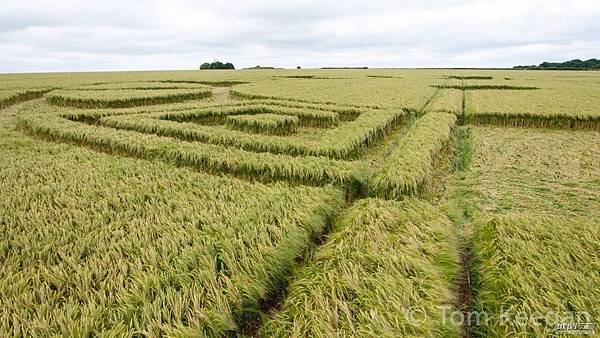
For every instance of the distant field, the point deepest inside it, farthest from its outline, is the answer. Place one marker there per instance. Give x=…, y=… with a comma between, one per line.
x=367, y=202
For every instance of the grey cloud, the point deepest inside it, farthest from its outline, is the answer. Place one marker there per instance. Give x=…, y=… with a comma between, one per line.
x=179, y=34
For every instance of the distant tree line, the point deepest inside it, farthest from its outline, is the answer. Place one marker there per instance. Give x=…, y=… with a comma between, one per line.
x=217, y=65
x=344, y=67
x=573, y=64
x=261, y=67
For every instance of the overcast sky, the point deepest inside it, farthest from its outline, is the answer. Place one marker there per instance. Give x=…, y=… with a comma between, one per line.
x=70, y=35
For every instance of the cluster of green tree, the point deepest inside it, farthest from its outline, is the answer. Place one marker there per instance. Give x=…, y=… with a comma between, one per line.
x=573, y=64
x=217, y=65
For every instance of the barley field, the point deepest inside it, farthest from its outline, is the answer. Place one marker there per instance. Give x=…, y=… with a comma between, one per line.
x=299, y=203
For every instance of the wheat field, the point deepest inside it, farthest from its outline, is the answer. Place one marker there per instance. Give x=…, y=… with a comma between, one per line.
x=303, y=203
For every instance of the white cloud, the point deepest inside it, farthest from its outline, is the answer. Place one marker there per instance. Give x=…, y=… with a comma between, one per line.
x=57, y=35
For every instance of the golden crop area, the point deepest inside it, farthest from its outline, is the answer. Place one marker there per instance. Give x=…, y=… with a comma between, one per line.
x=304, y=203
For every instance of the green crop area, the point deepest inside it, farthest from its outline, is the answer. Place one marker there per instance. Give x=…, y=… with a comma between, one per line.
x=263, y=123
x=299, y=203
x=121, y=98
